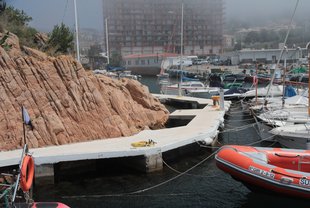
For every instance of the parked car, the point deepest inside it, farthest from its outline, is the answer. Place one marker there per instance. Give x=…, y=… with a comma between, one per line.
x=197, y=62
x=204, y=61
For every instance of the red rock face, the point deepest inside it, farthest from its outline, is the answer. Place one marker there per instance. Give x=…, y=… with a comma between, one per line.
x=66, y=103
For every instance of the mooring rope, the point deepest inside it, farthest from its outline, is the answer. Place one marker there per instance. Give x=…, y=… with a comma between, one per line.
x=269, y=120
x=195, y=175
x=186, y=172
x=235, y=120
x=247, y=125
x=237, y=112
x=248, y=144
x=238, y=128
x=145, y=189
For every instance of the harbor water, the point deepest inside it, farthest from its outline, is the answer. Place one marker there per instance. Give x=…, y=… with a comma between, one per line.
x=204, y=186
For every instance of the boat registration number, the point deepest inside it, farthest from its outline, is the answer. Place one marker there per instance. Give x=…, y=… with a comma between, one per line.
x=304, y=182
x=261, y=172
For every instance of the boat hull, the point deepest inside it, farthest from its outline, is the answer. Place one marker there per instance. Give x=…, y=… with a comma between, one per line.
x=294, y=142
x=293, y=136
x=256, y=174
x=149, y=71
x=41, y=205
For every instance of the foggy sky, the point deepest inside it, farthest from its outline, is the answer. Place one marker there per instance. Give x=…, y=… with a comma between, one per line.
x=262, y=8
x=47, y=13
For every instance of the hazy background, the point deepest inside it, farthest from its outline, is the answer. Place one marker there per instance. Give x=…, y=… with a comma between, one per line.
x=47, y=13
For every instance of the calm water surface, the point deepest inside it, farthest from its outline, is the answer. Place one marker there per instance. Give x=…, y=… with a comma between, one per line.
x=204, y=186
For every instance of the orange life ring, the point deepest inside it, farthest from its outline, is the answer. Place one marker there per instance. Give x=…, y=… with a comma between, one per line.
x=27, y=173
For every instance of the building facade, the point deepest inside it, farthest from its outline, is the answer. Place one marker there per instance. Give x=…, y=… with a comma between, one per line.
x=150, y=27
x=268, y=56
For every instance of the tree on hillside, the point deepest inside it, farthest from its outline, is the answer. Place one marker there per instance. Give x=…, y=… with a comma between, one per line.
x=61, y=39
x=2, y=6
x=16, y=21
x=116, y=59
x=15, y=16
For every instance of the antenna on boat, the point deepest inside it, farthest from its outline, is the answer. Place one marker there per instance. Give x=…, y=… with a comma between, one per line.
x=282, y=50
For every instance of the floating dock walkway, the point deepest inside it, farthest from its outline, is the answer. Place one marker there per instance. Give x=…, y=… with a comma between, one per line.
x=202, y=127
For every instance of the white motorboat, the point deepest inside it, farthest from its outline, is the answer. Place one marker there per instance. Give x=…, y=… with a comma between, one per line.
x=275, y=103
x=207, y=92
x=275, y=91
x=185, y=87
x=285, y=116
x=293, y=136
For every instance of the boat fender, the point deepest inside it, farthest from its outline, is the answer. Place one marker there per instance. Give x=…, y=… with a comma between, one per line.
x=255, y=80
x=27, y=173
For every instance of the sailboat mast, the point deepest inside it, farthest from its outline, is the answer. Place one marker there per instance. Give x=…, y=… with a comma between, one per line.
x=181, y=61
x=76, y=32
x=308, y=49
x=283, y=75
x=107, y=40
x=280, y=57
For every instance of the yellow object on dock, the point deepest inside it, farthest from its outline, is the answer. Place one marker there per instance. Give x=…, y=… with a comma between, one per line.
x=148, y=143
x=216, y=100
x=215, y=97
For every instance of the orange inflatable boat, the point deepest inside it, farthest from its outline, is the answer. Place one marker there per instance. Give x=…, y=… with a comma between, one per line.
x=284, y=171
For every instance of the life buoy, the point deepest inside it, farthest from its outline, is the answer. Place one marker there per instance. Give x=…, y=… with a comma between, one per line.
x=27, y=173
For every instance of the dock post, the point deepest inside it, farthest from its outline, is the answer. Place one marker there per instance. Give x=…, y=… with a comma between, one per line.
x=153, y=161
x=44, y=174
x=222, y=99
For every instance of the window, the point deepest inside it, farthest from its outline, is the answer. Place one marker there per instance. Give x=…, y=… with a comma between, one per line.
x=137, y=62
x=128, y=62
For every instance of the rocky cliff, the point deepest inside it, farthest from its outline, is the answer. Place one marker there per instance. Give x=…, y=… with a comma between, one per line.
x=67, y=104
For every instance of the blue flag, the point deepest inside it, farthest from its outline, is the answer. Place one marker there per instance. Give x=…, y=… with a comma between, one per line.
x=26, y=117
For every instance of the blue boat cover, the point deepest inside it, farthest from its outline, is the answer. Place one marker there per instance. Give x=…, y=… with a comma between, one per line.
x=289, y=91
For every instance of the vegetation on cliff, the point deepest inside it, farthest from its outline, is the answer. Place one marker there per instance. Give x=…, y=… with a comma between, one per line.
x=59, y=41
x=16, y=21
